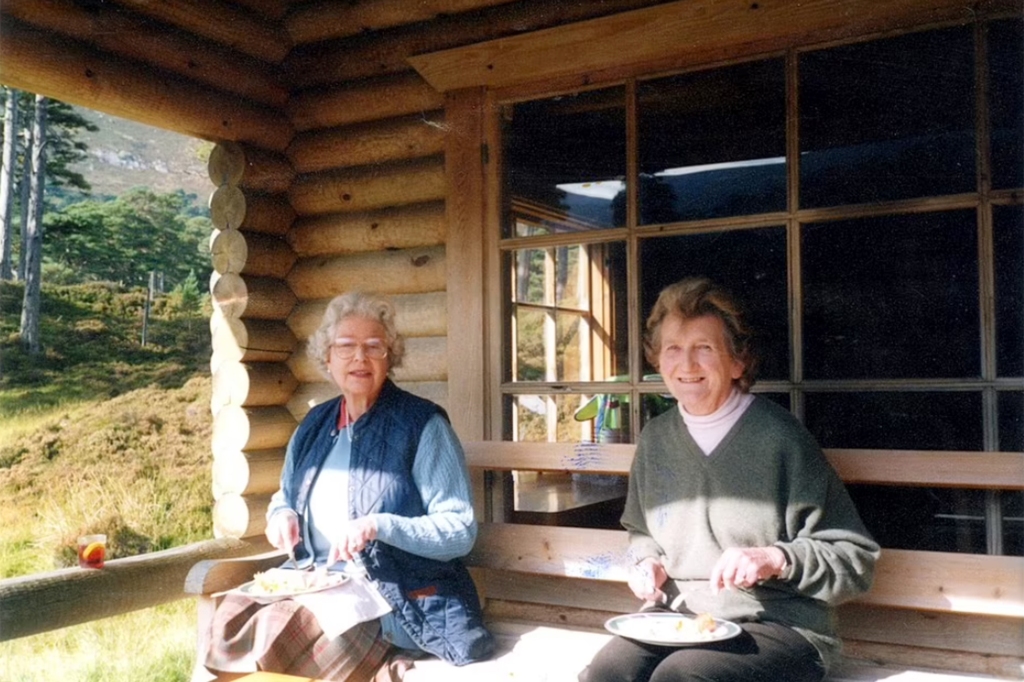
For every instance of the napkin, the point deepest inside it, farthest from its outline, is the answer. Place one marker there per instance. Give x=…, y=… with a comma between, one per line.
x=354, y=601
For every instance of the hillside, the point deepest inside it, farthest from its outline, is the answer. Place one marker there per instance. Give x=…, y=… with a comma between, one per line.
x=99, y=433
x=125, y=154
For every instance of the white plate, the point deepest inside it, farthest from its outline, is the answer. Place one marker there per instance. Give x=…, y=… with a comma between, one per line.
x=666, y=629
x=322, y=583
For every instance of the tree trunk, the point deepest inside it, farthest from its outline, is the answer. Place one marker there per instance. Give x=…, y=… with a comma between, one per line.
x=33, y=245
x=7, y=177
x=23, y=189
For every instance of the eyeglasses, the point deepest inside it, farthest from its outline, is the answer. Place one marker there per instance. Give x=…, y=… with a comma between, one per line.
x=374, y=350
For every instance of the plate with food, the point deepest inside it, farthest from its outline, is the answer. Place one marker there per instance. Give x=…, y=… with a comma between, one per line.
x=277, y=583
x=671, y=629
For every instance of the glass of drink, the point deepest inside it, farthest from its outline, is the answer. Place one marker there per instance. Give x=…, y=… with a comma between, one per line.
x=92, y=550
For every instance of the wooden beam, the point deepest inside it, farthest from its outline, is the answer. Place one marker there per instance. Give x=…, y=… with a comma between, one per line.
x=372, y=99
x=131, y=36
x=47, y=601
x=369, y=143
x=387, y=52
x=386, y=272
x=317, y=21
x=686, y=32
x=220, y=22
x=992, y=470
x=466, y=288
x=983, y=470
x=40, y=62
x=386, y=229
x=369, y=188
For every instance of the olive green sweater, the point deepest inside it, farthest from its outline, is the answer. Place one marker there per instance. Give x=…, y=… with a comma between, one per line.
x=767, y=483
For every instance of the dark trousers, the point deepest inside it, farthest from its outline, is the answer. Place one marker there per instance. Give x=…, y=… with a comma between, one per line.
x=763, y=652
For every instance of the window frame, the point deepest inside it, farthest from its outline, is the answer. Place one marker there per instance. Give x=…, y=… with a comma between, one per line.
x=494, y=353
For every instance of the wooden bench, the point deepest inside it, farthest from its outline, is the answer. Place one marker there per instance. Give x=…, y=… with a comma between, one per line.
x=547, y=590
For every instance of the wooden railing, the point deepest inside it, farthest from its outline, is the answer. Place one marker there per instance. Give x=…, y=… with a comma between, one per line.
x=41, y=602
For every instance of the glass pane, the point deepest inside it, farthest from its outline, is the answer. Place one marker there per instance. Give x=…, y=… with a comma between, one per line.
x=750, y=263
x=933, y=519
x=549, y=418
x=890, y=119
x=1008, y=237
x=1013, y=522
x=569, y=313
x=713, y=143
x=896, y=421
x=565, y=163
x=891, y=297
x=1011, y=421
x=1006, y=75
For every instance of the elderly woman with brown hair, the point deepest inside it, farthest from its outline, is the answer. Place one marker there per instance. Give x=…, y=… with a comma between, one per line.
x=374, y=483
x=732, y=511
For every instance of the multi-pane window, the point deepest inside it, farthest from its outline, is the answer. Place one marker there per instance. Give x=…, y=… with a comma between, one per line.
x=863, y=199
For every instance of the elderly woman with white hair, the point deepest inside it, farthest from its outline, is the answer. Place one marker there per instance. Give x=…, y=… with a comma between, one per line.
x=374, y=482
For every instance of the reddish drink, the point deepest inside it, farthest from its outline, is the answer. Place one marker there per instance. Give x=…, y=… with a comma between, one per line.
x=92, y=551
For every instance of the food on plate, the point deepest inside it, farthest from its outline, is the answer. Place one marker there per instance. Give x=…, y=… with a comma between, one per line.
x=672, y=628
x=283, y=581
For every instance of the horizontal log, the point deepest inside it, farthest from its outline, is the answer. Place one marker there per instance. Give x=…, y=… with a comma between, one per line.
x=220, y=22
x=310, y=23
x=134, y=37
x=308, y=396
x=268, y=9
x=268, y=256
x=426, y=359
x=240, y=516
x=228, y=251
x=268, y=214
x=263, y=298
x=402, y=227
x=368, y=100
x=251, y=428
x=387, y=272
x=227, y=207
x=250, y=472
x=369, y=143
x=42, y=602
x=64, y=69
x=388, y=52
x=364, y=189
x=251, y=384
x=250, y=168
x=415, y=315
x=251, y=340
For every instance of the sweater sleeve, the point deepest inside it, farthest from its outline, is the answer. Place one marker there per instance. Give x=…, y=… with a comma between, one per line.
x=831, y=555
x=448, y=529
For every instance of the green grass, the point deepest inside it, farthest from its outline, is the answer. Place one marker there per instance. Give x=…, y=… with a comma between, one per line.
x=101, y=435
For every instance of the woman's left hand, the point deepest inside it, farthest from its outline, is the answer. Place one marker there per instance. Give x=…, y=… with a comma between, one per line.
x=746, y=566
x=360, y=532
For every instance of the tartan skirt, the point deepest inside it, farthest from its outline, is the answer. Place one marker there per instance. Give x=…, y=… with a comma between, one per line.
x=283, y=636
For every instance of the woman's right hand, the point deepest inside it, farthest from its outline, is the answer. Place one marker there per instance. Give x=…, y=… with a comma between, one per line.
x=283, y=530
x=646, y=579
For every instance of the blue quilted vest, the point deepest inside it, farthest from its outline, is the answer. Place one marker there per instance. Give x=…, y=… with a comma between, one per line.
x=435, y=601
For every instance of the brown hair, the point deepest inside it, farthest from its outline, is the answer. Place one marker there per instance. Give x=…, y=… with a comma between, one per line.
x=698, y=297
